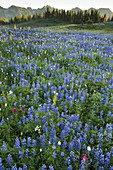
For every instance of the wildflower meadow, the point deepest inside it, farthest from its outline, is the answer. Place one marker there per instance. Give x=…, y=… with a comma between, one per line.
x=56, y=100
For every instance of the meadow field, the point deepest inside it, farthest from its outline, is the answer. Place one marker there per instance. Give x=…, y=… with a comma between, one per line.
x=56, y=99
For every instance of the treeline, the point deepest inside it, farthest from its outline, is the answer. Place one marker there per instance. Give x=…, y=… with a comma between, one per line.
x=77, y=18
x=3, y=21
x=18, y=19
x=71, y=17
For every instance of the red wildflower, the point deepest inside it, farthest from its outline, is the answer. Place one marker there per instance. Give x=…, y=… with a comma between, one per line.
x=14, y=110
x=84, y=157
x=23, y=108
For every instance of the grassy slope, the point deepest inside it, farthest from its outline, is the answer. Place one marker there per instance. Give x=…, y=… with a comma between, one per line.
x=42, y=22
x=103, y=29
x=54, y=24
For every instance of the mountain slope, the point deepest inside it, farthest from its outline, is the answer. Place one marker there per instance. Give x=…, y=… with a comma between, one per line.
x=19, y=11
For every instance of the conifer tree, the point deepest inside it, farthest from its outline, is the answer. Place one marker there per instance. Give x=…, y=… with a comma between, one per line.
x=11, y=20
x=47, y=13
x=53, y=13
x=92, y=16
x=85, y=17
x=96, y=16
x=74, y=15
x=105, y=18
x=23, y=18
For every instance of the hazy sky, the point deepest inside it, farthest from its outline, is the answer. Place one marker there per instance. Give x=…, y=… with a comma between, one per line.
x=61, y=4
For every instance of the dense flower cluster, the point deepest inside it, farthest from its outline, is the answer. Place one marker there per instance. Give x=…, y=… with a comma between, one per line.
x=56, y=107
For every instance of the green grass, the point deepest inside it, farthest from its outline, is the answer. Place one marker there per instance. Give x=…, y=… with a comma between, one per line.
x=53, y=24
x=94, y=28
x=42, y=22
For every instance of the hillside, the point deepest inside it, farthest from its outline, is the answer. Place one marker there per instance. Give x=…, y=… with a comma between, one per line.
x=12, y=11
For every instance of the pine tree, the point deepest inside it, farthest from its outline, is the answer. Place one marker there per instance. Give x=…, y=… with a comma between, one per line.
x=29, y=17
x=47, y=13
x=53, y=13
x=112, y=18
x=67, y=16
x=11, y=20
x=17, y=19
x=92, y=16
x=77, y=20
x=105, y=18
x=81, y=17
x=70, y=17
x=74, y=15
x=97, y=16
x=57, y=13
x=63, y=14
x=85, y=17
x=23, y=19
x=34, y=17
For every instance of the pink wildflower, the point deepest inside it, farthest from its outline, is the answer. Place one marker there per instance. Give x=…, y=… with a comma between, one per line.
x=14, y=110
x=23, y=108
x=85, y=158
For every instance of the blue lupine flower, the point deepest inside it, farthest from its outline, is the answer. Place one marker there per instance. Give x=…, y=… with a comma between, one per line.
x=34, y=142
x=17, y=144
x=64, y=144
x=71, y=145
x=14, y=167
x=36, y=118
x=11, y=117
x=44, y=119
x=70, y=167
x=24, y=143
x=33, y=151
x=27, y=97
x=111, y=151
x=107, y=159
x=19, y=123
x=62, y=154
x=21, y=153
x=24, y=167
x=51, y=167
x=43, y=167
x=43, y=141
x=29, y=141
x=2, y=121
x=9, y=159
x=54, y=155
x=4, y=147
x=109, y=137
x=83, y=165
x=72, y=154
x=62, y=134
x=101, y=159
x=68, y=160
x=111, y=168
x=27, y=151
x=24, y=119
x=1, y=167
x=31, y=118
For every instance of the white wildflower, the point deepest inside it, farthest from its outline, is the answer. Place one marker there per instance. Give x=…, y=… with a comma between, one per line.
x=49, y=143
x=40, y=150
x=89, y=148
x=10, y=92
x=54, y=147
x=37, y=128
x=59, y=143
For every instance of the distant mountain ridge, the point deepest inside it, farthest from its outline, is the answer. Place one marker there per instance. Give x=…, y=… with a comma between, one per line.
x=13, y=11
